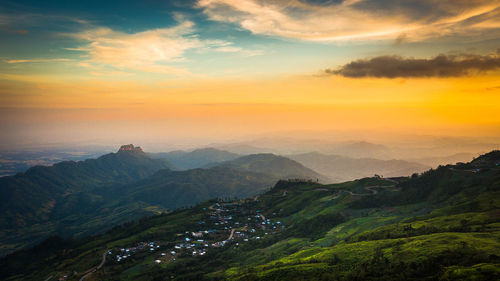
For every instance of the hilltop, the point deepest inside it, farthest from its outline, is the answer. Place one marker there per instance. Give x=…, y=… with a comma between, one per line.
x=130, y=147
x=275, y=165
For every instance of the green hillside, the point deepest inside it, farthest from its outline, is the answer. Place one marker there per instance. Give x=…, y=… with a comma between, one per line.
x=176, y=189
x=40, y=185
x=47, y=199
x=441, y=225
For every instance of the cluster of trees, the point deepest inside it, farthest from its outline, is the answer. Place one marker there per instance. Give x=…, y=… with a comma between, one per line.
x=380, y=267
x=315, y=227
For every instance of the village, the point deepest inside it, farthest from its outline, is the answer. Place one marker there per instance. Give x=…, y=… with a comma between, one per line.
x=222, y=223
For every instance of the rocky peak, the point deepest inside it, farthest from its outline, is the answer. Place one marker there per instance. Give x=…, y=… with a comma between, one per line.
x=130, y=147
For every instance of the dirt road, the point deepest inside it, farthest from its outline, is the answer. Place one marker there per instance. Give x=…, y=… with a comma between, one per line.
x=230, y=235
x=371, y=189
x=97, y=268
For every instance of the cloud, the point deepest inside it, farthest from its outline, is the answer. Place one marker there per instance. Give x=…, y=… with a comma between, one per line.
x=439, y=66
x=228, y=49
x=150, y=50
x=238, y=50
x=23, y=22
x=357, y=19
x=36, y=60
x=144, y=51
x=111, y=73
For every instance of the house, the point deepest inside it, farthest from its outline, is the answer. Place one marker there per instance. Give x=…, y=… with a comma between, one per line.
x=197, y=234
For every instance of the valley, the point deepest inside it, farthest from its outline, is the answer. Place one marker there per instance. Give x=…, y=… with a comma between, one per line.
x=88, y=197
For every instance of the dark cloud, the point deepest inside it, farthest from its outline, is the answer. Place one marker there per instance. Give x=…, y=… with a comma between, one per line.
x=440, y=66
x=400, y=39
x=323, y=2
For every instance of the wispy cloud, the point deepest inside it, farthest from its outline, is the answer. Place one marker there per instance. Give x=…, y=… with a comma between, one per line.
x=22, y=22
x=439, y=66
x=113, y=73
x=356, y=19
x=233, y=49
x=36, y=60
x=148, y=51
x=144, y=51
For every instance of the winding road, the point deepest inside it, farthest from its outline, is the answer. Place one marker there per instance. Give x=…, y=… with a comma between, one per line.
x=97, y=268
x=230, y=235
x=264, y=220
x=368, y=188
x=372, y=190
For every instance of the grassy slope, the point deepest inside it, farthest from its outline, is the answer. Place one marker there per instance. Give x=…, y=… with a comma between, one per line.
x=459, y=240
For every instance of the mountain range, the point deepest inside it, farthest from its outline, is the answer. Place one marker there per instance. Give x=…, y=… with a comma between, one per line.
x=441, y=224
x=86, y=197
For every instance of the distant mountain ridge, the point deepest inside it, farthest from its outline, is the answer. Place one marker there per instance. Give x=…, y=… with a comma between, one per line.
x=268, y=163
x=195, y=159
x=341, y=168
x=362, y=149
x=444, y=160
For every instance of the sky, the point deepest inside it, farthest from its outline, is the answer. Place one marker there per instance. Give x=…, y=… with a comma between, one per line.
x=219, y=70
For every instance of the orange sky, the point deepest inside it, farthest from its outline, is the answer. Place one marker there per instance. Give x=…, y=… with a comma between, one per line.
x=452, y=106
x=220, y=69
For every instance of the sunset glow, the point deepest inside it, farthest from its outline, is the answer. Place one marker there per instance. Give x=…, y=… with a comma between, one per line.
x=187, y=69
